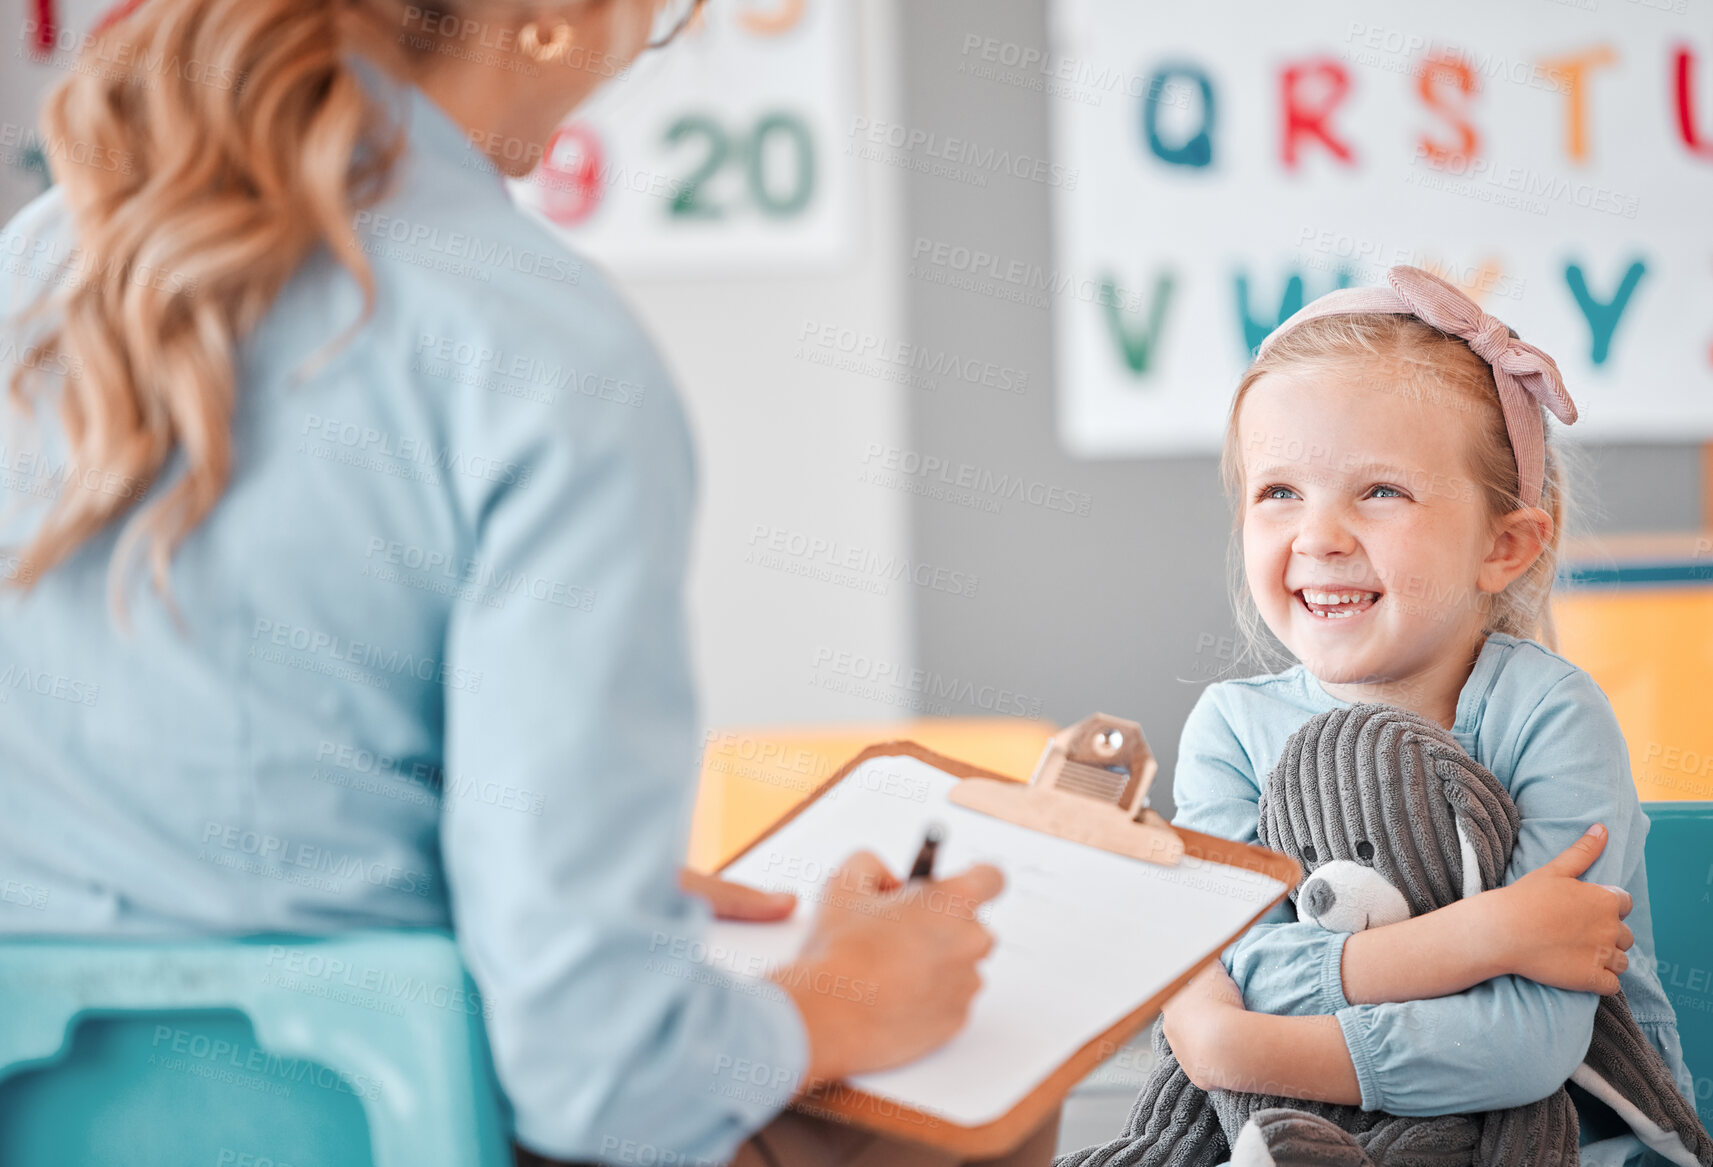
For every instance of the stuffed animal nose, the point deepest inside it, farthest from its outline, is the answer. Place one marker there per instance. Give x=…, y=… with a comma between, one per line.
x=1318, y=897
x=1343, y=895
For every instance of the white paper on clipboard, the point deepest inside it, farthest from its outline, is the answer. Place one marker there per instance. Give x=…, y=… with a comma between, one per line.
x=1082, y=936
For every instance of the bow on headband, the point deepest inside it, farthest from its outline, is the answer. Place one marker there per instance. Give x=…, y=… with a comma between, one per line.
x=1523, y=373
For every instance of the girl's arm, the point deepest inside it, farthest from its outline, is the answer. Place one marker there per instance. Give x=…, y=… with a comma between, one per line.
x=1299, y=1057
x=1558, y=932
x=1432, y=955
x=1508, y=1040
x=1222, y=1046
x=1301, y=969
x=1537, y=921
x=1218, y=793
x=1548, y=926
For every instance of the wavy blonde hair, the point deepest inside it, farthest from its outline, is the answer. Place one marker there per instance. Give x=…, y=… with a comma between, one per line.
x=247, y=142
x=1426, y=363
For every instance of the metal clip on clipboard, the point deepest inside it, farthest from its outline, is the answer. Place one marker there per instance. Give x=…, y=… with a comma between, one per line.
x=1090, y=787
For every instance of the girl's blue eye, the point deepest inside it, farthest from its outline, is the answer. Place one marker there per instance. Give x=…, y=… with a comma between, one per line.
x=1393, y=492
x=1277, y=492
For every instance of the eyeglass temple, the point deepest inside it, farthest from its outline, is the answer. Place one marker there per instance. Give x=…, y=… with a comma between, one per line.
x=683, y=22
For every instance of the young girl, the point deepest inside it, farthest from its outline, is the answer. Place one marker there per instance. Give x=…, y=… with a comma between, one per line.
x=1400, y=508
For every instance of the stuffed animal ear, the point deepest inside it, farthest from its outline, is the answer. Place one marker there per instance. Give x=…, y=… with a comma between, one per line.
x=1486, y=821
x=1471, y=860
x=1623, y=1070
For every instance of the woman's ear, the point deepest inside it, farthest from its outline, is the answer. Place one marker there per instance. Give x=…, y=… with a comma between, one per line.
x=1518, y=540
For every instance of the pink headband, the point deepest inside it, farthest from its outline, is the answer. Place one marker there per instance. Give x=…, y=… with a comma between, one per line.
x=1523, y=373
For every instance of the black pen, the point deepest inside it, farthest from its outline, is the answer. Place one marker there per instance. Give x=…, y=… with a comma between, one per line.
x=923, y=868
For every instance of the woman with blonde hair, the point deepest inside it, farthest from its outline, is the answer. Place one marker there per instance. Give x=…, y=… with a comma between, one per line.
x=345, y=517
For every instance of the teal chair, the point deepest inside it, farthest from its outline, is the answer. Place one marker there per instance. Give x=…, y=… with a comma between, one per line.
x=366, y=1049
x=1680, y=889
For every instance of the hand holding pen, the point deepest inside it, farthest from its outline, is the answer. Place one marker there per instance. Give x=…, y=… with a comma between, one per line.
x=890, y=969
x=923, y=868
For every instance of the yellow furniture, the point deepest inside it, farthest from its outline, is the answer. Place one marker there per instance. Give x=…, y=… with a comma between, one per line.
x=752, y=776
x=1637, y=613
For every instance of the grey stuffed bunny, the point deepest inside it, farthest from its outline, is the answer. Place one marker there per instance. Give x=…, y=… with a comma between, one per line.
x=1390, y=819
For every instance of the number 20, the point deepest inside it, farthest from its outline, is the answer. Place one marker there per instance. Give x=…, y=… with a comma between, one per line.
x=691, y=201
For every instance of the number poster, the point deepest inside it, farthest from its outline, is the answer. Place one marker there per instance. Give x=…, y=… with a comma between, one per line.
x=1553, y=159
x=724, y=152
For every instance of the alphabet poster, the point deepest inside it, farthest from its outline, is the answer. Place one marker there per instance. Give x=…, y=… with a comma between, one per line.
x=724, y=151
x=1554, y=159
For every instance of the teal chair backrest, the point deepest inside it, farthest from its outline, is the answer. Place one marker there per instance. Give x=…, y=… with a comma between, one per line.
x=1680, y=888
x=366, y=1049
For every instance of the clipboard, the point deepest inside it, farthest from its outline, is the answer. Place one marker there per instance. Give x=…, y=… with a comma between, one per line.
x=1089, y=789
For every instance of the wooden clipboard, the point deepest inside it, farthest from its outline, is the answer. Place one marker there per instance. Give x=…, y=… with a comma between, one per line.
x=845, y=1103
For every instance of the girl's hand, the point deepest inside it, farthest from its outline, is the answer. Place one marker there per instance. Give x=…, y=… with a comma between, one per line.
x=736, y=901
x=1198, y=1019
x=1560, y=931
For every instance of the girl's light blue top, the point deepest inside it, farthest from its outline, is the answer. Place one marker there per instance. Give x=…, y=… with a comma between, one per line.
x=430, y=666
x=1547, y=732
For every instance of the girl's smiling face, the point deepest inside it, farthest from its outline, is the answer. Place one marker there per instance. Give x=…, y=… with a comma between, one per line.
x=1368, y=548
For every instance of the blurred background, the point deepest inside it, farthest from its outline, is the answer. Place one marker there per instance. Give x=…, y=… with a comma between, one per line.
x=958, y=292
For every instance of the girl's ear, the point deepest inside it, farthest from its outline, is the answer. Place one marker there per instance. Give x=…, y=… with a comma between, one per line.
x=1518, y=540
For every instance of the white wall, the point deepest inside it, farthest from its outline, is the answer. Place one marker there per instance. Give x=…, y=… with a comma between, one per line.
x=782, y=443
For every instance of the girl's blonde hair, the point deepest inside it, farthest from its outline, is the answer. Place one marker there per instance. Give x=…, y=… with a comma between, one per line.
x=1425, y=363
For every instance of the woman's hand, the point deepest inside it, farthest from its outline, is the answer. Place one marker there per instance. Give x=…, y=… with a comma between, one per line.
x=1198, y=1019
x=736, y=901
x=889, y=971
x=1560, y=931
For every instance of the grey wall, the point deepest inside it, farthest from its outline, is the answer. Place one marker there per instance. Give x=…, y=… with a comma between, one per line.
x=1123, y=611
